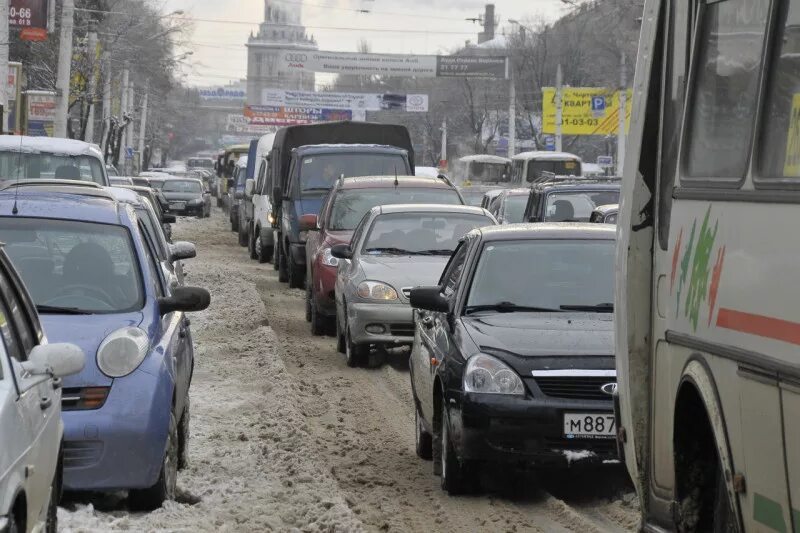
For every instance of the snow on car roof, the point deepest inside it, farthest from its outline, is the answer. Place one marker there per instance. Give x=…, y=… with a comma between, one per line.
x=559, y=156
x=485, y=158
x=24, y=143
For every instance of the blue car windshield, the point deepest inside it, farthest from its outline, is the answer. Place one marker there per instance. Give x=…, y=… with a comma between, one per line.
x=75, y=266
x=318, y=173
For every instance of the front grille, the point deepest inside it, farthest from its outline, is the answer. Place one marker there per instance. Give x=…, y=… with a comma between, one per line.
x=82, y=453
x=402, y=330
x=574, y=387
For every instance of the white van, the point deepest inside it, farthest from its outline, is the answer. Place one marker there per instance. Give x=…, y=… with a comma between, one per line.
x=527, y=167
x=260, y=235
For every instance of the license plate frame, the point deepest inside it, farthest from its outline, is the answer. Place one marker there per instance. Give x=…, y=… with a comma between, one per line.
x=178, y=205
x=586, y=424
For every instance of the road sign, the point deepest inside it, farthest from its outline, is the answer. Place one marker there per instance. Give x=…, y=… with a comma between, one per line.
x=128, y=153
x=550, y=143
x=598, y=105
x=605, y=161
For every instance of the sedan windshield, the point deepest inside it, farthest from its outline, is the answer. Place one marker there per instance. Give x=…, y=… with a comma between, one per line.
x=318, y=173
x=74, y=267
x=577, y=206
x=350, y=206
x=420, y=233
x=556, y=275
x=182, y=186
x=35, y=166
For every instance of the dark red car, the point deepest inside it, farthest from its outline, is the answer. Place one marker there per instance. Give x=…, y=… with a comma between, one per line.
x=341, y=212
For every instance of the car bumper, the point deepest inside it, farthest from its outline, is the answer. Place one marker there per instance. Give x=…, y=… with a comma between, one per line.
x=121, y=445
x=189, y=210
x=397, y=320
x=526, y=430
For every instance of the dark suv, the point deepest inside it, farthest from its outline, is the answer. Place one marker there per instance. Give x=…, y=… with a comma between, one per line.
x=569, y=199
x=513, y=354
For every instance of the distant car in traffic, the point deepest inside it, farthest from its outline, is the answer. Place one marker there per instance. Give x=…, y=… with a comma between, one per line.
x=160, y=205
x=513, y=353
x=31, y=371
x=236, y=192
x=393, y=248
x=187, y=197
x=509, y=206
x=30, y=158
x=569, y=200
x=605, y=214
x=342, y=210
x=93, y=274
x=261, y=236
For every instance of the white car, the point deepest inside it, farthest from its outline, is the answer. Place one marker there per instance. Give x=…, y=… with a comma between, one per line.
x=261, y=242
x=30, y=410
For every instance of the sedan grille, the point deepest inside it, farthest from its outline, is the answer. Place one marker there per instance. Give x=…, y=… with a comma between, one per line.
x=575, y=387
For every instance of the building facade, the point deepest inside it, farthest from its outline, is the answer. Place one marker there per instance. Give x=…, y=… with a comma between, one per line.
x=282, y=31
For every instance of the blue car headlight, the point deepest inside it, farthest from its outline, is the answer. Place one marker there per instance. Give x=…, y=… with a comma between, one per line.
x=122, y=352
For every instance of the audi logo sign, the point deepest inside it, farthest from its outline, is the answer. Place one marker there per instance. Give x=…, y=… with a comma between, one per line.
x=296, y=58
x=609, y=388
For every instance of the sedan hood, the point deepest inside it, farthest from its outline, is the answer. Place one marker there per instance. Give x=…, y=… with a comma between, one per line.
x=543, y=334
x=182, y=196
x=404, y=271
x=88, y=332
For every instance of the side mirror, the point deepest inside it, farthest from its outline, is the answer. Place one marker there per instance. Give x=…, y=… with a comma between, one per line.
x=58, y=360
x=342, y=251
x=168, y=219
x=182, y=250
x=249, y=187
x=429, y=299
x=186, y=300
x=308, y=222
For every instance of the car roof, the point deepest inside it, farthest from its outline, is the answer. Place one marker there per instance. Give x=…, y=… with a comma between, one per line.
x=485, y=158
x=49, y=145
x=548, y=230
x=185, y=179
x=66, y=203
x=388, y=182
x=429, y=208
x=579, y=185
x=558, y=156
x=517, y=192
x=311, y=149
x=125, y=195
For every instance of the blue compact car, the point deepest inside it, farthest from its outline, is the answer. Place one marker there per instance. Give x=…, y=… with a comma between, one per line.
x=95, y=277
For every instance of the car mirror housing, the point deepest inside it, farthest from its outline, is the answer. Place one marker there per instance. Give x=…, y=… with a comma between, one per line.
x=308, y=222
x=168, y=219
x=58, y=360
x=342, y=251
x=429, y=299
x=182, y=250
x=186, y=300
x=249, y=187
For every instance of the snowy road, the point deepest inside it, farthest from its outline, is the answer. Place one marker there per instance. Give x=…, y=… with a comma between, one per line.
x=286, y=437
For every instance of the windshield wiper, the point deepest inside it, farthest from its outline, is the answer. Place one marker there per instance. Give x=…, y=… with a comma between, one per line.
x=55, y=310
x=442, y=251
x=509, y=307
x=598, y=308
x=397, y=251
x=316, y=189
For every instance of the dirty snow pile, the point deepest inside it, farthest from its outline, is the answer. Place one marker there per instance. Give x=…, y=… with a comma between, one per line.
x=250, y=469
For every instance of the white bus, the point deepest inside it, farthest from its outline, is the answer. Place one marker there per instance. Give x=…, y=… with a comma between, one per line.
x=708, y=290
x=528, y=167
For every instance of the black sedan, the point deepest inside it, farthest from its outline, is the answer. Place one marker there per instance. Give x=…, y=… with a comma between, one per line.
x=188, y=197
x=513, y=355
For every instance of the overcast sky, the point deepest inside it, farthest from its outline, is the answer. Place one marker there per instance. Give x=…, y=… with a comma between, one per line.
x=219, y=54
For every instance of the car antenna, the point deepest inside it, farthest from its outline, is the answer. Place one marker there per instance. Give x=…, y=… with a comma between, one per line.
x=396, y=183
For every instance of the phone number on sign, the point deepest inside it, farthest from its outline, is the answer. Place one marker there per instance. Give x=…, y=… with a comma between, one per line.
x=19, y=15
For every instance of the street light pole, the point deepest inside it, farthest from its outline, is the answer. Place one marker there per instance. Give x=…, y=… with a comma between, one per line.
x=623, y=112
x=559, y=106
x=64, y=68
x=92, y=55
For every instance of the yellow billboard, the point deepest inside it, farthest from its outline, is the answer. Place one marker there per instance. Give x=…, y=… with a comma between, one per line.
x=791, y=167
x=584, y=111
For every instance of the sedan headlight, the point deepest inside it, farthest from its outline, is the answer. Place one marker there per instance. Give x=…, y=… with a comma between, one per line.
x=375, y=290
x=489, y=375
x=328, y=259
x=122, y=352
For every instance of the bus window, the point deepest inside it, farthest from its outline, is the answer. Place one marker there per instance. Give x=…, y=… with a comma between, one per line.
x=779, y=150
x=725, y=89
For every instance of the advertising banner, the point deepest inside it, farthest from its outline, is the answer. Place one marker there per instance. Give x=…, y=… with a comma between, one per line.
x=347, y=101
x=222, y=93
x=393, y=65
x=40, y=113
x=584, y=111
x=291, y=116
x=238, y=124
x=31, y=17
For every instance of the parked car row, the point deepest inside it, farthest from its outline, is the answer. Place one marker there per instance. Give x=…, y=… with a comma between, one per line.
x=506, y=306
x=97, y=354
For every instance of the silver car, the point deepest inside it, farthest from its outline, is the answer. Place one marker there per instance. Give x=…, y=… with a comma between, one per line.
x=394, y=248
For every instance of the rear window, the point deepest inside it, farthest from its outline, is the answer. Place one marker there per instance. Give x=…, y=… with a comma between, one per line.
x=318, y=173
x=577, y=206
x=37, y=166
x=350, y=206
x=181, y=186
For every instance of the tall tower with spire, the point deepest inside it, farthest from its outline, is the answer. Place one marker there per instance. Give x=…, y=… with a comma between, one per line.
x=281, y=31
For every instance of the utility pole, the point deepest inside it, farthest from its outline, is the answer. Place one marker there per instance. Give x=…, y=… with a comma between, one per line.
x=4, y=39
x=106, y=99
x=443, y=160
x=64, y=69
x=559, y=106
x=623, y=112
x=123, y=111
x=129, y=129
x=512, y=113
x=143, y=126
x=92, y=54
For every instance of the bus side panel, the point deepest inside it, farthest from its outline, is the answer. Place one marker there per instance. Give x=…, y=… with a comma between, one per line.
x=791, y=422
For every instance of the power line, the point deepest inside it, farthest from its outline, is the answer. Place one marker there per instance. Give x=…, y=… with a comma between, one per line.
x=371, y=12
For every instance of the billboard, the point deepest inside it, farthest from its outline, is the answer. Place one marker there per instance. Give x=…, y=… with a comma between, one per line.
x=260, y=115
x=222, y=93
x=347, y=101
x=393, y=65
x=31, y=17
x=584, y=111
x=40, y=112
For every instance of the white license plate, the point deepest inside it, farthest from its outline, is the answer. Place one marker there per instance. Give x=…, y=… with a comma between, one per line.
x=589, y=425
x=178, y=205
